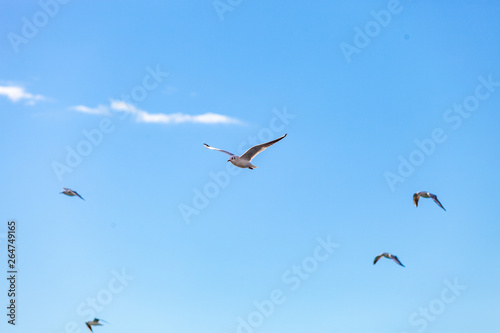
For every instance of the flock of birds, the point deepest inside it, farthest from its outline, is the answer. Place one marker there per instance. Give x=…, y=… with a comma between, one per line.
x=416, y=197
x=244, y=161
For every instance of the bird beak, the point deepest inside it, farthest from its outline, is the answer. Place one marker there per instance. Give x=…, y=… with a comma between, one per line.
x=228, y=160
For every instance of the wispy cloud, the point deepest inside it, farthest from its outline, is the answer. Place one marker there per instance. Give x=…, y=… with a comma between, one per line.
x=100, y=109
x=177, y=118
x=172, y=118
x=18, y=93
x=124, y=106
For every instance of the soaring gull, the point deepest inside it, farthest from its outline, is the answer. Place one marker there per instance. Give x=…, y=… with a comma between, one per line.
x=95, y=322
x=388, y=256
x=243, y=161
x=424, y=194
x=71, y=193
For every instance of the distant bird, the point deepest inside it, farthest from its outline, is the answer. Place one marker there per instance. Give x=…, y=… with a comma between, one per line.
x=424, y=194
x=388, y=256
x=243, y=161
x=71, y=193
x=95, y=322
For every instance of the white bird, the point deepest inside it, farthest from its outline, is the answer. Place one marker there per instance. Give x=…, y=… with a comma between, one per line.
x=243, y=161
x=424, y=194
x=388, y=256
x=95, y=322
x=71, y=193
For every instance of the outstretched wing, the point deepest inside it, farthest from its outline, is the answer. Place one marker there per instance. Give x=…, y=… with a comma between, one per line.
x=437, y=201
x=416, y=196
x=377, y=258
x=252, y=152
x=90, y=327
x=397, y=260
x=78, y=195
x=207, y=146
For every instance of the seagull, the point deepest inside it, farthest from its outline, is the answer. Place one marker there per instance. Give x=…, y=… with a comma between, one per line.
x=243, y=161
x=95, y=322
x=388, y=256
x=424, y=194
x=71, y=193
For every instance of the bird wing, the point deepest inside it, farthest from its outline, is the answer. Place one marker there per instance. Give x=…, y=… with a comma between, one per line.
x=90, y=327
x=397, y=260
x=416, y=196
x=437, y=201
x=78, y=195
x=377, y=258
x=207, y=146
x=252, y=152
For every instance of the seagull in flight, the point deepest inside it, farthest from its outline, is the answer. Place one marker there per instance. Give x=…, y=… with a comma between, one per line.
x=424, y=194
x=388, y=256
x=95, y=322
x=243, y=161
x=71, y=193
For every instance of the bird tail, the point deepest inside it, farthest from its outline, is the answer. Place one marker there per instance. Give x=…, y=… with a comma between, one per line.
x=252, y=167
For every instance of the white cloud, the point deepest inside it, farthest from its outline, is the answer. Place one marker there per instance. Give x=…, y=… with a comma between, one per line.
x=177, y=118
x=17, y=93
x=124, y=106
x=172, y=118
x=100, y=109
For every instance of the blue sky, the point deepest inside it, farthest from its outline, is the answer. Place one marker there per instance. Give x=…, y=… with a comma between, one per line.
x=379, y=100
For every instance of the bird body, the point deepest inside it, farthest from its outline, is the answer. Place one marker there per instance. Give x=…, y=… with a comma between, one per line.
x=388, y=256
x=424, y=194
x=240, y=162
x=243, y=161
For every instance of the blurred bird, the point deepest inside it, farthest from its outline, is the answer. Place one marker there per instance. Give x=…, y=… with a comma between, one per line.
x=71, y=193
x=95, y=322
x=388, y=256
x=424, y=194
x=243, y=161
